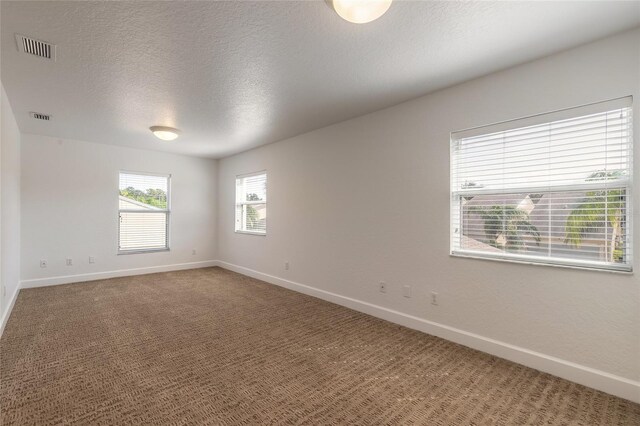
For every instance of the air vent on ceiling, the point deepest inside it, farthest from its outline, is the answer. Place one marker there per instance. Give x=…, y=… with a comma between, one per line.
x=40, y=116
x=34, y=47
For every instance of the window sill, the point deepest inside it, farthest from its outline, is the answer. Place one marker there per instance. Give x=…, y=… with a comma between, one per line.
x=259, y=234
x=622, y=269
x=141, y=251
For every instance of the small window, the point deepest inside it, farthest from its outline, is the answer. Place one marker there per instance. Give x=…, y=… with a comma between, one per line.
x=552, y=189
x=144, y=212
x=251, y=203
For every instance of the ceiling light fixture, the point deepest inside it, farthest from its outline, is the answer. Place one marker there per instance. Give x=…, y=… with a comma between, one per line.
x=165, y=133
x=361, y=11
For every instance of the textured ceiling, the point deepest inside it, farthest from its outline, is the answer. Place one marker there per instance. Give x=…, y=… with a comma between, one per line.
x=235, y=75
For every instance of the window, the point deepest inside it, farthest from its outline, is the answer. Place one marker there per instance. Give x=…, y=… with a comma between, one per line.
x=144, y=212
x=553, y=189
x=251, y=203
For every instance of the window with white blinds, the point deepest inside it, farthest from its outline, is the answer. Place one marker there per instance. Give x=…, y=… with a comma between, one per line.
x=143, y=212
x=553, y=189
x=251, y=203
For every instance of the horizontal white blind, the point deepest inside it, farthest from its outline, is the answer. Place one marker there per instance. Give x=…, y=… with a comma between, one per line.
x=143, y=212
x=251, y=203
x=557, y=191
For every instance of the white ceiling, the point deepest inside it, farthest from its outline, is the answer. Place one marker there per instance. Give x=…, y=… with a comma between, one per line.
x=235, y=75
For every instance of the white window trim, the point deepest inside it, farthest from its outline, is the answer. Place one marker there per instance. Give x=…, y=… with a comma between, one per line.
x=167, y=211
x=247, y=203
x=258, y=234
x=545, y=117
x=567, y=113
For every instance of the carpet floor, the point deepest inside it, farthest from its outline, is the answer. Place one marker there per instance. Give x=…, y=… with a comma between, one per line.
x=209, y=346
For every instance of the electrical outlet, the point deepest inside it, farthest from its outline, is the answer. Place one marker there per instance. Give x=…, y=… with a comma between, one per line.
x=43, y=263
x=193, y=252
x=406, y=290
x=286, y=266
x=92, y=259
x=383, y=287
x=69, y=261
x=4, y=291
x=434, y=298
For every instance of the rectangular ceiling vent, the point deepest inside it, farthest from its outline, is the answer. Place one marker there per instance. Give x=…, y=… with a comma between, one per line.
x=34, y=47
x=40, y=116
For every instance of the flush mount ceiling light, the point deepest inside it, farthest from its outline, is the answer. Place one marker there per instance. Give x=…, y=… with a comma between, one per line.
x=165, y=133
x=361, y=11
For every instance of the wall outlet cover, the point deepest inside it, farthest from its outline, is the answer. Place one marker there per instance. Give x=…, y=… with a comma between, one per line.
x=406, y=290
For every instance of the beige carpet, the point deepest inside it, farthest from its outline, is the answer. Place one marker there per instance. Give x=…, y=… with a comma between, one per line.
x=209, y=346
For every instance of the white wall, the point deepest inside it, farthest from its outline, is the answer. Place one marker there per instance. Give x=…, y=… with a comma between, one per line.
x=9, y=207
x=70, y=209
x=368, y=200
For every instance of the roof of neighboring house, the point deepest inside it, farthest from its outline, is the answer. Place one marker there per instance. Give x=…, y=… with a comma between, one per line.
x=471, y=244
x=559, y=203
x=135, y=204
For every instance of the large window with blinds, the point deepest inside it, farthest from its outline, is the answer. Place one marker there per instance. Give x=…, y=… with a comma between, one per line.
x=551, y=189
x=251, y=203
x=143, y=212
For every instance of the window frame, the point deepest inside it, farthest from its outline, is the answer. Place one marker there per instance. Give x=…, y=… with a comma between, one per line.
x=248, y=203
x=456, y=194
x=166, y=211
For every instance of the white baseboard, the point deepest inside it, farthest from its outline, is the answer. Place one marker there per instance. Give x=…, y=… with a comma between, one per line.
x=7, y=312
x=67, y=279
x=597, y=379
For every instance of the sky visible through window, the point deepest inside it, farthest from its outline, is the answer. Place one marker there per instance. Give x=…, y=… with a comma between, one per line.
x=253, y=188
x=143, y=182
x=147, y=189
